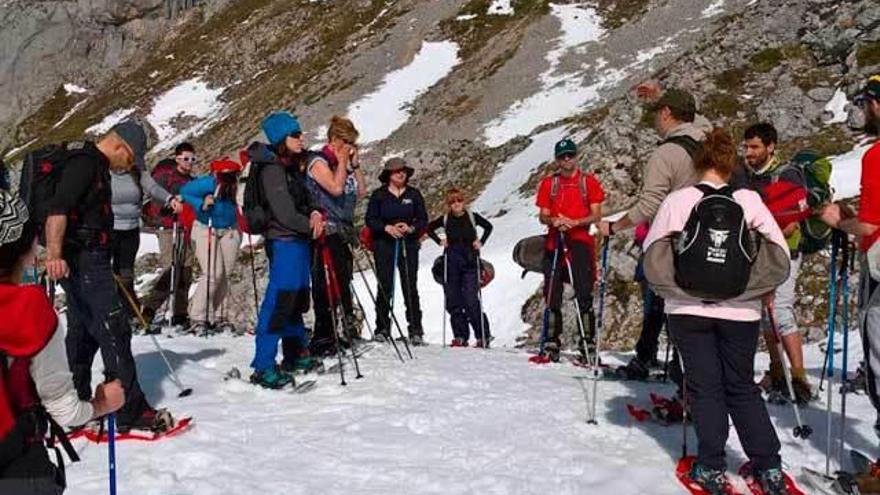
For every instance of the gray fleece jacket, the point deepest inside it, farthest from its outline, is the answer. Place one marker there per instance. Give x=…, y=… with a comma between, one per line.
x=669, y=168
x=127, y=198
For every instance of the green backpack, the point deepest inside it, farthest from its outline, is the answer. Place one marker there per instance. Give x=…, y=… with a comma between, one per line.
x=817, y=171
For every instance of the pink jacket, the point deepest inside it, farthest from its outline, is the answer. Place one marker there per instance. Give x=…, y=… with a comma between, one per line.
x=672, y=216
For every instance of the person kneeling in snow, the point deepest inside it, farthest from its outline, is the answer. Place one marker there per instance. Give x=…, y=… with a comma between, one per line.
x=216, y=239
x=294, y=221
x=705, y=274
x=462, y=280
x=36, y=385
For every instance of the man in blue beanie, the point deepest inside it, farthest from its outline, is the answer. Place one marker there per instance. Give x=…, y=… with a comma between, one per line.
x=294, y=220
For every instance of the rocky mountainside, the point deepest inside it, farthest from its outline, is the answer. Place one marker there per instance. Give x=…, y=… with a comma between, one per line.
x=461, y=88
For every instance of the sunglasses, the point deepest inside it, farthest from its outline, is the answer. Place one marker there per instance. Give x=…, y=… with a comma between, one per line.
x=567, y=156
x=456, y=201
x=295, y=135
x=399, y=171
x=188, y=159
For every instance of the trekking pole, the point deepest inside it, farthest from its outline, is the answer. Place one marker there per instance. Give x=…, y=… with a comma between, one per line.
x=600, y=327
x=684, y=407
x=363, y=311
x=111, y=451
x=406, y=288
x=254, y=279
x=184, y=392
x=846, y=260
x=445, y=277
x=375, y=302
x=480, y=299
x=666, y=359
x=391, y=300
x=337, y=294
x=802, y=431
x=209, y=306
x=169, y=313
x=545, y=330
x=832, y=315
x=330, y=301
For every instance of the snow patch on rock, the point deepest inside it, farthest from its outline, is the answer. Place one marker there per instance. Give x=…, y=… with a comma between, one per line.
x=184, y=111
x=387, y=108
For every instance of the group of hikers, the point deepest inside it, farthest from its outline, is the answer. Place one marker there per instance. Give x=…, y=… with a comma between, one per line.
x=721, y=243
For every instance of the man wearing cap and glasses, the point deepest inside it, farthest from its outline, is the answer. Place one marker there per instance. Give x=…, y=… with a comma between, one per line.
x=172, y=174
x=569, y=202
x=78, y=226
x=669, y=168
x=865, y=224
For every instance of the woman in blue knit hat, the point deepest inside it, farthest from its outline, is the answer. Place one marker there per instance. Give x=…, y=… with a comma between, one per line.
x=295, y=221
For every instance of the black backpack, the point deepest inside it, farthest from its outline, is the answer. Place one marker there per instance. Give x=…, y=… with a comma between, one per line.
x=253, y=207
x=713, y=254
x=40, y=174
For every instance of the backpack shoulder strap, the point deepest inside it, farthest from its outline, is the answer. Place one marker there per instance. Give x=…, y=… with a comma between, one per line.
x=554, y=186
x=690, y=145
x=584, y=189
x=706, y=189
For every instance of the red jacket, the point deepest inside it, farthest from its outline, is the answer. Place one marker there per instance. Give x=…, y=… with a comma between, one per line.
x=166, y=175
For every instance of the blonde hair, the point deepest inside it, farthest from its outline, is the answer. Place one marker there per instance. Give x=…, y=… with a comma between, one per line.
x=453, y=194
x=342, y=128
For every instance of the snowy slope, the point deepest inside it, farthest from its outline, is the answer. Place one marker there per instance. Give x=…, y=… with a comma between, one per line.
x=452, y=422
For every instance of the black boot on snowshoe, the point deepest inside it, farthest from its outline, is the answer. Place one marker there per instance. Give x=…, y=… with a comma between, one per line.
x=381, y=337
x=272, y=378
x=417, y=340
x=551, y=350
x=155, y=420
x=634, y=370
x=713, y=481
x=773, y=482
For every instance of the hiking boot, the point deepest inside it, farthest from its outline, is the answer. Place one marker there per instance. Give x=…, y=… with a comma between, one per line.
x=802, y=391
x=198, y=328
x=180, y=321
x=271, y=379
x=480, y=343
x=773, y=482
x=459, y=343
x=417, y=340
x=304, y=363
x=381, y=337
x=774, y=380
x=634, y=370
x=155, y=420
x=713, y=481
x=551, y=350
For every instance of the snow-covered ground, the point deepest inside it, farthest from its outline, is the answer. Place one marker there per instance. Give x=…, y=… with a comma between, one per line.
x=109, y=121
x=192, y=100
x=562, y=94
x=400, y=88
x=454, y=421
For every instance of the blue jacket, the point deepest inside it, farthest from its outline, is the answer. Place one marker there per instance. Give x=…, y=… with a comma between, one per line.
x=222, y=215
x=385, y=208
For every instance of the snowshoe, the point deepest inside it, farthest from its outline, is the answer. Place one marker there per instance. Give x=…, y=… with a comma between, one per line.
x=198, y=328
x=271, y=379
x=856, y=384
x=100, y=435
x=459, y=343
x=768, y=482
x=381, y=337
x=701, y=480
x=301, y=364
x=480, y=344
x=668, y=410
x=223, y=326
x=840, y=484
x=154, y=420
